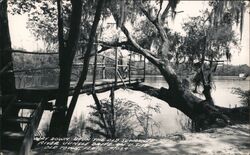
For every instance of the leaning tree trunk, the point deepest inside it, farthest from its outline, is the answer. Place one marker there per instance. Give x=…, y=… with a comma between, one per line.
x=201, y=112
x=84, y=72
x=66, y=60
x=62, y=84
x=178, y=95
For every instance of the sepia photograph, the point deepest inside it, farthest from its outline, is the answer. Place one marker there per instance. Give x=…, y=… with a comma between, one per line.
x=124, y=77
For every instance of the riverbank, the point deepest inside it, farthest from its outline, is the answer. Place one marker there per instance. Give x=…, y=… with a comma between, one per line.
x=230, y=78
x=214, y=77
x=229, y=140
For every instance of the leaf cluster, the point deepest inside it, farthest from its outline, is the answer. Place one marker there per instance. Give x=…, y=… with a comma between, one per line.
x=122, y=115
x=244, y=96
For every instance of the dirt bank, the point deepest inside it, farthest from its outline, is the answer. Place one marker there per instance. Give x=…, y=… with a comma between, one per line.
x=230, y=140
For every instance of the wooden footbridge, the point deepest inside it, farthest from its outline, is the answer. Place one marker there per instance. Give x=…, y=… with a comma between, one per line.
x=105, y=73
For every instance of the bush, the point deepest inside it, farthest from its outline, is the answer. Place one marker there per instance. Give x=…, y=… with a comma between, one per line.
x=112, y=121
x=244, y=95
x=124, y=119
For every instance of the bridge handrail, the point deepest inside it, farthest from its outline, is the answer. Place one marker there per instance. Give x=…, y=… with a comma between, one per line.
x=31, y=128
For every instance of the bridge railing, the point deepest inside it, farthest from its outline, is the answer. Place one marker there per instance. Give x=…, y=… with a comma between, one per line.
x=43, y=74
x=128, y=67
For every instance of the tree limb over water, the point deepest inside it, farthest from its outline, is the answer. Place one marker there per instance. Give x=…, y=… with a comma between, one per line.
x=209, y=112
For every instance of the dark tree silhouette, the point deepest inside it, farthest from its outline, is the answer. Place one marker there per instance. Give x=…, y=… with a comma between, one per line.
x=66, y=57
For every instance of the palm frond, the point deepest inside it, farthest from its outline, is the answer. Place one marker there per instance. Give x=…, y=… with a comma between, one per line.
x=244, y=96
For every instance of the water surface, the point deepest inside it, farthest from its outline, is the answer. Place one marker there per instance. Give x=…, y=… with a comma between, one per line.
x=222, y=89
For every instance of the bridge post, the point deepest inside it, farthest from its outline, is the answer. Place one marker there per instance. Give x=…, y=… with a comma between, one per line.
x=94, y=71
x=116, y=65
x=129, y=68
x=144, y=69
x=103, y=68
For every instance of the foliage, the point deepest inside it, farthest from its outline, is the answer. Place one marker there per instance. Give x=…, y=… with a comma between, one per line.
x=228, y=12
x=78, y=126
x=127, y=115
x=202, y=38
x=221, y=70
x=244, y=95
x=35, y=69
x=123, y=125
x=42, y=18
x=205, y=44
x=144, y=117
x=34, y=61
x=230, y=70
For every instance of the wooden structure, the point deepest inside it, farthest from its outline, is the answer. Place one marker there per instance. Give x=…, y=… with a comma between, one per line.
x=15, y=139
x=37, y=99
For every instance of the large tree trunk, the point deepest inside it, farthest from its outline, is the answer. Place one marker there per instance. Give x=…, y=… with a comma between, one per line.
x=84, y=72
x=201, y=112
x=7, y=79
x=67, y=55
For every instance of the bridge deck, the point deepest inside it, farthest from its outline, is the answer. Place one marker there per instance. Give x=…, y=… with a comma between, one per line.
x=35, y=94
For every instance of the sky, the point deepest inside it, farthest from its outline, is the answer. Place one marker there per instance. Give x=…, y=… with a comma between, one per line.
x=22, y=38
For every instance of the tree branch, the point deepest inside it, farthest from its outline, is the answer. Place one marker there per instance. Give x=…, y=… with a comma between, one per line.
x=27, y=52
x=162, y=64
x=124, y=45
x=140, y=50
x=60, y=34
x=113, y=44
x=147, y=53
x=84, y=72
x=156, y=23
x=110, y=45
x=165, y=12
x=167, y=96
x=158, y=14
x=144, y=11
